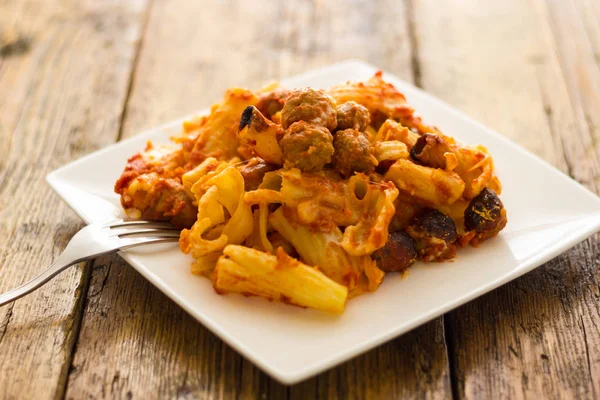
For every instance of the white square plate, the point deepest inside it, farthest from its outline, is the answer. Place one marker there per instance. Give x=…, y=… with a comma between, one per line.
x=547, y=211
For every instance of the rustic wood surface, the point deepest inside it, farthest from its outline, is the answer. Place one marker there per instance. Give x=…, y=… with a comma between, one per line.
x=75, y=76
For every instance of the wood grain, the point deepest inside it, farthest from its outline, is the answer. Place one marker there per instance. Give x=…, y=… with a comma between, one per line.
x=498, y=61
x=133, y=339
x=57, y=103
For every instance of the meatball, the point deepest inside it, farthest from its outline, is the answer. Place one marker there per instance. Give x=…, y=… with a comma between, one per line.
x=485, y=213
x=429, y=150
x=351, y=115
x=434, y=234
x=353, y=152
x=309, y=105
x=254, y=171
x=271, y=103
x=306, y=146
x=398, y=253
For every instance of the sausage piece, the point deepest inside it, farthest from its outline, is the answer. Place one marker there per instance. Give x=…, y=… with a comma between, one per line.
x=306, y=146
x=434, y=234
x=429, y=150
x=254, y=171
x=271, y=103
x=309, y=105
x=485, y=213
x=398, y=253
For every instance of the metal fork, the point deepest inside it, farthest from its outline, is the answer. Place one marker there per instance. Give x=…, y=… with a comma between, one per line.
x=96, y=240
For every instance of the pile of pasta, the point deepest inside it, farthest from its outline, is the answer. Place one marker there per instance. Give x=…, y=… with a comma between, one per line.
x=311, y=196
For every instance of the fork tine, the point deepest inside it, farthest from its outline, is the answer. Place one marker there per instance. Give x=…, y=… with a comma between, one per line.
x=149, y=233
x=138, y=241
x=123, y=223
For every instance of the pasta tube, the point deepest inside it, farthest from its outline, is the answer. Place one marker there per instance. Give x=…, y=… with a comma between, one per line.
x=371, y=232
x=321, y=249
x=391, y=130
x=390, y=150
x=223, y=191
x=277, y=277
x=432, y=185
x=475, y=168
x=259, y=136
x=375, y=94
x=197, y=174
x=217, y=132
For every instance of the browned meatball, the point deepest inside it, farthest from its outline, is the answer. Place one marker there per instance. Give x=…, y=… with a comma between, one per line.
x=306, y=146
x=309, y=105
x=398, y=253
x=271, y=103
x=353, y=152
x=352, y=115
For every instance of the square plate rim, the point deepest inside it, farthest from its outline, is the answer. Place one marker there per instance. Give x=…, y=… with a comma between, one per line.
x=292, y=377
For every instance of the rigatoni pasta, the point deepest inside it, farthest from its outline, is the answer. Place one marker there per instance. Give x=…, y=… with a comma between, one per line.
x=432, y=186
x=277, y=277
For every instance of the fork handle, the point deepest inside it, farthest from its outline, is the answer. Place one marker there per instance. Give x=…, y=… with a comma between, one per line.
x=56, y=268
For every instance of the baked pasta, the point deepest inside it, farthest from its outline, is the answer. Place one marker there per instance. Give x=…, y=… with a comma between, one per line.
x=312, y=196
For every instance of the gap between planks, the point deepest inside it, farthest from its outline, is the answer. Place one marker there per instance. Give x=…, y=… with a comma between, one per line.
x=89, y=265
x=134, y=67
x=447, y=333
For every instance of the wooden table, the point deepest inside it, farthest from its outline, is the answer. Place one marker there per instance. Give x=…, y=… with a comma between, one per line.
x=78, y=75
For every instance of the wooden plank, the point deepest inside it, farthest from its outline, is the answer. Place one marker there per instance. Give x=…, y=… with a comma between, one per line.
x=133, y=339
x=58, y=102
x=411, y=366
x=579, y=60
x=576, y=57
x=529, y=74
